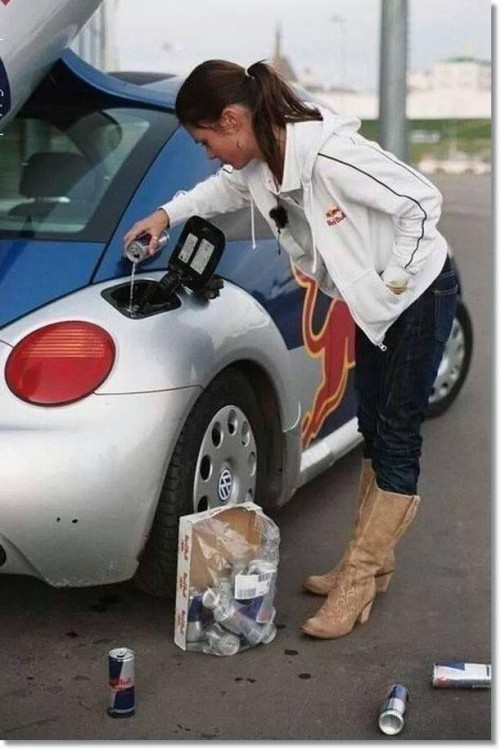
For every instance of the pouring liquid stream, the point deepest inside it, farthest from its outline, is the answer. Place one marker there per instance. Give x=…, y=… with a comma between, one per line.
x=132, y=279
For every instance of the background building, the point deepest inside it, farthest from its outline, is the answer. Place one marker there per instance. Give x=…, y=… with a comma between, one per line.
x=459, y=88
x=448, y=105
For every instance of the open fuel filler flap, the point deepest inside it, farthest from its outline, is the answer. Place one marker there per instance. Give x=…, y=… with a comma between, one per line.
x=226, y=580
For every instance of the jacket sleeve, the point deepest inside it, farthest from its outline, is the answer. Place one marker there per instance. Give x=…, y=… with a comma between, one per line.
x=366, y=174
x=225, y=191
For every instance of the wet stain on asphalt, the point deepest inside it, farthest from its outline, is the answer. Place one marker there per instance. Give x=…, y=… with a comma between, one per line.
x=280, y=627
x=72, y=634
x=304, y=676
x=249, y=679
x=291, y=652
x=81, y=678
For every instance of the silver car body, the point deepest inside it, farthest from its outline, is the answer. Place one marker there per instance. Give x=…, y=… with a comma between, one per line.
x=80, y=482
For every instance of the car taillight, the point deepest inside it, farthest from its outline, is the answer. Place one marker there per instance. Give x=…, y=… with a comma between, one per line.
x=60, y=363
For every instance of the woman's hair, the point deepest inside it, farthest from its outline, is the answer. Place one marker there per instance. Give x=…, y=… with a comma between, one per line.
x=216, y=84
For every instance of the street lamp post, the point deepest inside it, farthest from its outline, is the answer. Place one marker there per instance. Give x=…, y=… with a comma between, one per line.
x=393, y=78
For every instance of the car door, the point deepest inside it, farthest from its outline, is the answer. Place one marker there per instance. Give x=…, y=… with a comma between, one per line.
x=318, y=330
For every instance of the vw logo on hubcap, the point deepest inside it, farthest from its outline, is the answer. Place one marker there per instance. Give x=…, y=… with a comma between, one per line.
x=225, y=485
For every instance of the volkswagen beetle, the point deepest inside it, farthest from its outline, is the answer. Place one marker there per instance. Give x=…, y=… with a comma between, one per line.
x=113, y=425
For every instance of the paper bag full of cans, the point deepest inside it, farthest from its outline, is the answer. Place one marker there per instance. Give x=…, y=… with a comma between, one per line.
x=226, y=580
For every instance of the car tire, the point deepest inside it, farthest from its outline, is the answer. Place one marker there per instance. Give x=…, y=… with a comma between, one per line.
x=454, y=365
x=223, y=434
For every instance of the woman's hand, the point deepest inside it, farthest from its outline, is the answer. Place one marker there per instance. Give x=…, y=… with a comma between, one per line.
x=154, y=225
x=397, y=288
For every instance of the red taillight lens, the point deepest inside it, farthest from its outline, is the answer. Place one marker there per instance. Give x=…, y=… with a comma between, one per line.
x=60, y=363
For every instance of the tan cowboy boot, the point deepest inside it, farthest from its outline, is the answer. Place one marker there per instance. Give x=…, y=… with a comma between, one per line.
x=385, y=518
x=322, y=584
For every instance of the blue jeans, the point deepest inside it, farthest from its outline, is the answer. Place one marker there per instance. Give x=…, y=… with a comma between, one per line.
x=393, y=386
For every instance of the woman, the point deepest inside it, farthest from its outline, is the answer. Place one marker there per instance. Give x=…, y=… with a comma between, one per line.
x=366, y=232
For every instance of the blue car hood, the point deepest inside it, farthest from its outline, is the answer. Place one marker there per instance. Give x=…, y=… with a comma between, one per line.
x=36, y=272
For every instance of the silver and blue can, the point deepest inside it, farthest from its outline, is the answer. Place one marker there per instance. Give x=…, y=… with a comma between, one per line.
x=136, y=250
x=392, y=714
x=267, y=573
x=250, y=607
x=232, y=619
x=220, y=642
x=461, y=674
x=196, y=609
x=121, y=680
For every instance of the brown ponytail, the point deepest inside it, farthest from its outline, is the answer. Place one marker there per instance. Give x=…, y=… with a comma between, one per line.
x=216, y=84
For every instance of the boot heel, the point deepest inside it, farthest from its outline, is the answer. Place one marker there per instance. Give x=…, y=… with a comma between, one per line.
x=364, y=615
x=383, y=581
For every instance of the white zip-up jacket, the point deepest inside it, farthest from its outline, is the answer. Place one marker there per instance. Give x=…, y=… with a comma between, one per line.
x=370, y=219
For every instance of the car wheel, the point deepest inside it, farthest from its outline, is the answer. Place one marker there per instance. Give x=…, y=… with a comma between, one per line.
x=218, y=461
x=454, y=365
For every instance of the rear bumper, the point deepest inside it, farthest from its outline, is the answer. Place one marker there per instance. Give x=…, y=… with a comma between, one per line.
x=79, y=488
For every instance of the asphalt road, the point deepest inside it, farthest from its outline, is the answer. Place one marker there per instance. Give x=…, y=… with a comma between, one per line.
x=54, y=643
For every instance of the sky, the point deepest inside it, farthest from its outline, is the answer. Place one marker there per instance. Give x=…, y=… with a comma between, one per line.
x=336, y=40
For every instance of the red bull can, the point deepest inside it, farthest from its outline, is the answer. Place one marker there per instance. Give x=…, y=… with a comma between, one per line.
x=135, y=250
x=267, y=582
x=196, y=610
x=121, y=680
x=220, y=642
x=461, y=674
x=250, y=607
x=392, y=715
x=232, y=619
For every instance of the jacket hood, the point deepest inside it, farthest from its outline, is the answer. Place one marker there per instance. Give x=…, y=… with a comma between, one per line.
x=313, y=135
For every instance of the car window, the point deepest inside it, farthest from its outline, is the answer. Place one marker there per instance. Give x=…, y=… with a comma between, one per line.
x=70, y=172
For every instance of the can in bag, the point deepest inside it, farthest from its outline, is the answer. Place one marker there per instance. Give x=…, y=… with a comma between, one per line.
x=269, y=632
x=233, y=620
x=250, y=607
x=461, y=674
x=392, y=714
x=220, y=642
x=135, y=250
x=195, y=625
x=267, y=581
x=121, y=680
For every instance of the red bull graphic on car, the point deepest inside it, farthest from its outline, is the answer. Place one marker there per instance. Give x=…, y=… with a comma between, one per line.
x=334, y=344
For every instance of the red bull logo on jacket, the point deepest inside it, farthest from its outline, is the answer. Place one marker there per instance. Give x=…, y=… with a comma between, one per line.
x=334, y=215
